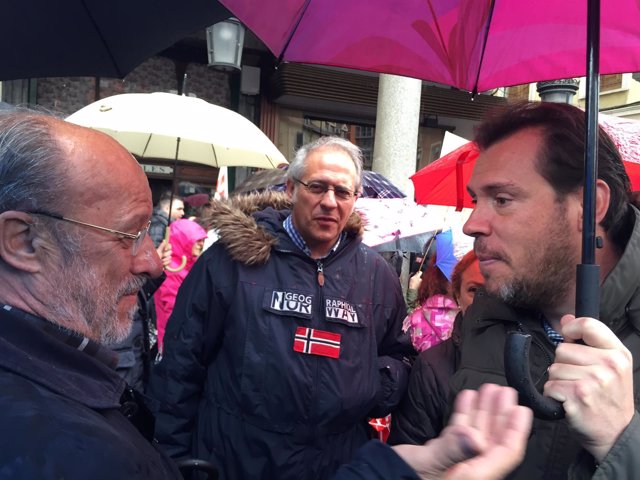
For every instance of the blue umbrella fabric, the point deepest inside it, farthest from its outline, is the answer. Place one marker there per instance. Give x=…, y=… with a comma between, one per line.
x=445, y=258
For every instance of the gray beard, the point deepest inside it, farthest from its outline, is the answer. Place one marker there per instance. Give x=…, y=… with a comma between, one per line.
x=81, y=303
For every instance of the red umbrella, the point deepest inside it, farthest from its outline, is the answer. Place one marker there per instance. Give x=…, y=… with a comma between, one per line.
x=444, y=182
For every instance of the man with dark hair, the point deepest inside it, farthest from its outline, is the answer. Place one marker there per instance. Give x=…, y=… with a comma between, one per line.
x=527, y=187
x=161, y=218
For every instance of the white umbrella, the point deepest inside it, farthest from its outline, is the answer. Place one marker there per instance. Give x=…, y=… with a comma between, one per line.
x=173, y=127
x=400, y=224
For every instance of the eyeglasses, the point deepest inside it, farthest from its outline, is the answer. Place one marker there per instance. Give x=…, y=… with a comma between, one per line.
x=320, y=188
x=137, y=238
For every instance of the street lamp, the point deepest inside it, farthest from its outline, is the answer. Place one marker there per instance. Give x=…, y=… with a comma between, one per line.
x=559, y=91
x=224, y=44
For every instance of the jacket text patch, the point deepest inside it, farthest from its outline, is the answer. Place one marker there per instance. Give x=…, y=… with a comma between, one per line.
x=340, y=310
x=291, y=302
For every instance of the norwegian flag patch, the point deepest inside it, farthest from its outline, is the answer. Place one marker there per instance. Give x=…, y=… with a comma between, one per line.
x=317, y=342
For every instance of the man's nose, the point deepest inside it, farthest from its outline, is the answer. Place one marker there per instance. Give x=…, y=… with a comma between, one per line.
x=146, y=261
x=329, y=198
x=477, y=224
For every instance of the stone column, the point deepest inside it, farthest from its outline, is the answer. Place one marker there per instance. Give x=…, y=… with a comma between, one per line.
x=396, y=137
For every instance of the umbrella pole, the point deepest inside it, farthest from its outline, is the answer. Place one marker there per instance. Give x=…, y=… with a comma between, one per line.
x=167, y=232
x=588, y=273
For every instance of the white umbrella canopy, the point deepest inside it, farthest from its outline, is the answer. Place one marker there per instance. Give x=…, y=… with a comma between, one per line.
x=187, y=129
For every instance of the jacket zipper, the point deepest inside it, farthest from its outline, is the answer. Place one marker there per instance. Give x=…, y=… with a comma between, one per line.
x=320, y=272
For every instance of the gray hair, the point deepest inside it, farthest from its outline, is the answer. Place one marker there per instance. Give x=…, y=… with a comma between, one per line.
x=297, y=167
x=33, y=173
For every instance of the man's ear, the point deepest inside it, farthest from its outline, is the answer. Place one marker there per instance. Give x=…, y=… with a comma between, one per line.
x=289, y=188
x=603, y=199
x=19, y=242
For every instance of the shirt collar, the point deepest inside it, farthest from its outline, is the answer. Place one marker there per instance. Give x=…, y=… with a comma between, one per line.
x=552, y=335
x=295, y=236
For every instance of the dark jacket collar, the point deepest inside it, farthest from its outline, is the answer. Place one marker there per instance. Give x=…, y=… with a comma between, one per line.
x=59, y=360
x=250, y=225
x=486, y=310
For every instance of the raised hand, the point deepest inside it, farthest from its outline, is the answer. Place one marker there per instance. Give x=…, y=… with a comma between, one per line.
x=485, y=439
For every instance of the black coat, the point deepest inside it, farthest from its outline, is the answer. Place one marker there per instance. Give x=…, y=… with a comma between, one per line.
x=135, y=354
x=422, y=413
x=62, y=409
x=235, y=385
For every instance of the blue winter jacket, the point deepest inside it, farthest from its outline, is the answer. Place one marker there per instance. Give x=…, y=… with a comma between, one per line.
x=269, y=374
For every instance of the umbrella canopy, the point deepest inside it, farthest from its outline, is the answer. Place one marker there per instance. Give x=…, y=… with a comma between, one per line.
x=173, y=127
x=445, y=259
x=444, y=182
x=94, y=37
x=374, y=184
x=392, y=224
x=468, y=44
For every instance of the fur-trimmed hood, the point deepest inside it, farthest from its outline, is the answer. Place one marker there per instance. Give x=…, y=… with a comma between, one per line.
x=245, y=239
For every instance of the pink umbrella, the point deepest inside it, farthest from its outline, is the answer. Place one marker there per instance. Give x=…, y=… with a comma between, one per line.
x=444, y=182
x=474, y=45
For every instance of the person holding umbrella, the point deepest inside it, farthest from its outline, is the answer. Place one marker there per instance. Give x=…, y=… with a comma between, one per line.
x=527, y=222
x=161, y=217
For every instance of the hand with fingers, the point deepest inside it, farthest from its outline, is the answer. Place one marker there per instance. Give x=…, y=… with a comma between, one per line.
x=415, y=280
x=486, y=438
x=594, y=381
x=164, y=252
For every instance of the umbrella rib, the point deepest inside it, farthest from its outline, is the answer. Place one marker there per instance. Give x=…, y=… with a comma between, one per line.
x=146, y=145
x=215, y=157
x=293, y=31
x=102, y=39
x=484, y=46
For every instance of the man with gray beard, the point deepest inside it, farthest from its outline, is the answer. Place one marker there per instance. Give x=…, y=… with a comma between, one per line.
x=74, y=251
x=527, y=223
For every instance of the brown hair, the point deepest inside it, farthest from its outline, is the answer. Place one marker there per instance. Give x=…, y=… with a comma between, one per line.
x=456, y=279
x=433, y=282
x=560, y=158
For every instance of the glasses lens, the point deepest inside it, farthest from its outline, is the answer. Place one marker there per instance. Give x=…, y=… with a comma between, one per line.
x=343, y=193
x=317, y=188
x=137, y=243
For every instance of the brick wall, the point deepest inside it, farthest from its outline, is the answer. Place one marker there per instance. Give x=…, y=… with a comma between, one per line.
x=158, y=74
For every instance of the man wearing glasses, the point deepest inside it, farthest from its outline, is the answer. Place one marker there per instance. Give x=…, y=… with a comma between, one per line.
x=73, y=256
x=286, y=335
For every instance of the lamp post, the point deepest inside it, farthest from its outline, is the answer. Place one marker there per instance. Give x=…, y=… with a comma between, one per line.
x=224, y=44
x=559, y=91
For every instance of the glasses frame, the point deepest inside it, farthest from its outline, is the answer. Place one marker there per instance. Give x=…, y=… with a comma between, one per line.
x=137, y=238
x=354, y=194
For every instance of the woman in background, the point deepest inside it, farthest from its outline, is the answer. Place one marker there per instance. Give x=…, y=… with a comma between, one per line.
x=431, y=322
x=186, y=239
x=421, y=415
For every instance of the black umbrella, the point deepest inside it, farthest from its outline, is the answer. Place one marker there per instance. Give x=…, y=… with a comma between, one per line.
x=94, y=37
